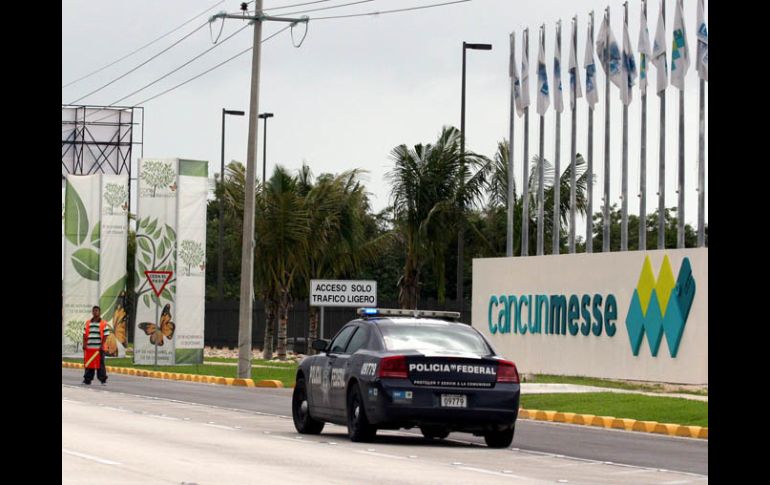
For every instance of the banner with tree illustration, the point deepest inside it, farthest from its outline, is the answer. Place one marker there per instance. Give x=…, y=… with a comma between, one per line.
x=156, y=241
x=171, y=237
x=94, y=257
x=191, y=260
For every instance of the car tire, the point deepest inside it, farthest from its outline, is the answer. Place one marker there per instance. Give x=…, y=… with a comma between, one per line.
x=499, y=439
x=434, y=432
x=300, y=410
x=359, y=428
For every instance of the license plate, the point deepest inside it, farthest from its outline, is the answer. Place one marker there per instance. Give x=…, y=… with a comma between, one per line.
x=454, y=401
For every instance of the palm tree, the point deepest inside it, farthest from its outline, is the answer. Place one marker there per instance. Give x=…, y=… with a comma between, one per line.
x=498, y=196
x=432, y=190
x=338, y=207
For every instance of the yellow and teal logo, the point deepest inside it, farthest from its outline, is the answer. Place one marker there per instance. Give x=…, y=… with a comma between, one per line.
x=660, y=307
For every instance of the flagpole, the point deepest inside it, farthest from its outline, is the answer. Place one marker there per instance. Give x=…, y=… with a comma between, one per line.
x=590, y=161
x=525, y=184
x=680, y=190
x=606, y=197
x=509, y=219
x=557, y=155
x=573, y=139
x=702, y=169
x=662, y=161
x=643, y=156
x=541, y=168
x=624, y=166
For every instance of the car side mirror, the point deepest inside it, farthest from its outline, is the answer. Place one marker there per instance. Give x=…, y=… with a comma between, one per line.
x=320, y=345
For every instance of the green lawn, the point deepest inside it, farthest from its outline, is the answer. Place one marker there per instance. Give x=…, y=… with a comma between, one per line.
x=592, y=381
x=634, y=406
x=286, y=376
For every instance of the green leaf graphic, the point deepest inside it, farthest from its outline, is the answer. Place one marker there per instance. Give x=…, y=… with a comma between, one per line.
x=143, y=244
x=109, y=298
x=86, y=262
x=162, y=247
x=146, y=300
x=157, y=234
x=155, y=298
x=146, y=258
x=143, y=222
x=170, y=231
x=167, y=295
x=151, y=227
x=95, y=234
x=76, y=218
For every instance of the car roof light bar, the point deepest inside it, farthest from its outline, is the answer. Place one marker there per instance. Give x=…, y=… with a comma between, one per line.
x=400, y=312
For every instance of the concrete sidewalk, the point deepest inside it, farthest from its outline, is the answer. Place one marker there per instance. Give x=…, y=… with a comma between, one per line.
x=535, y=388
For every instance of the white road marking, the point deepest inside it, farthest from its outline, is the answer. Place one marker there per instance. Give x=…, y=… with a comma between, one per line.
x=90, y=457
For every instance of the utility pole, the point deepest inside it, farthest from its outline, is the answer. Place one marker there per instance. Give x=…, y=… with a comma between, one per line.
x=247, y=254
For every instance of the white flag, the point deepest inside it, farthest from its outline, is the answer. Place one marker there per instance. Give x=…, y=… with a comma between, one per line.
x=525, y=69
x=702, y=61
x=574, y=74
x=645, y=52
x=558, y=103
x=680, y=53
x=628, y=67
x=608, y=51
x=513, y=72
x=592, y=96
x=659, y=52
x=543, y=100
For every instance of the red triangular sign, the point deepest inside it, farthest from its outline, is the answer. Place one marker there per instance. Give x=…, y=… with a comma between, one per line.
x=158, y=280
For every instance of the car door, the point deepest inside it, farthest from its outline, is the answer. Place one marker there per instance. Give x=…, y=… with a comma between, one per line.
x=333, y=377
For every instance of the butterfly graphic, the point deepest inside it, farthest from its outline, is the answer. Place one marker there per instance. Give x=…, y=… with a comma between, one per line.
x=118, y=331
x=166, y=328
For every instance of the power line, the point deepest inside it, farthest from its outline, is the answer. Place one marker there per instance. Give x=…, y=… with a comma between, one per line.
x=201, y=74
x=140, y=65
x=295, y=5
x=141, y=48
x=183, y=65
x=389, y=11
x=329, y=8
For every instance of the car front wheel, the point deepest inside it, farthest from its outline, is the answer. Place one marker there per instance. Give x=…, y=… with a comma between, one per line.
x=300, y=411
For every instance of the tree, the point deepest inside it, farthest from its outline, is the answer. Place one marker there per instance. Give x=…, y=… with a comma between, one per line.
x=498, y=200
x=670, y=225
x=191, y=252
x=116, y=195
x=432, y=192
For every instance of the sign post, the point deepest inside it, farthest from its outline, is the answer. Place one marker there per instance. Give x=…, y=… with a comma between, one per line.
x=158, y=281
x=342, y=293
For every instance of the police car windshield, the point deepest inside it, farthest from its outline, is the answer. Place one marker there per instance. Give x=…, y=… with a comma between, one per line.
x=439, y=337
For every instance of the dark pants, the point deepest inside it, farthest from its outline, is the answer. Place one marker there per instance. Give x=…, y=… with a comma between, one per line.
x=101, y=372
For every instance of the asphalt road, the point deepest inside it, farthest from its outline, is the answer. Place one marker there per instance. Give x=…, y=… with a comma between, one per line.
x=541, y=451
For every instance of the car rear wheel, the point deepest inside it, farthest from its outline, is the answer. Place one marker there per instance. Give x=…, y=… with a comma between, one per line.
x=300, y=411
x=499, y=439
x=434, y=432
x=359, y=428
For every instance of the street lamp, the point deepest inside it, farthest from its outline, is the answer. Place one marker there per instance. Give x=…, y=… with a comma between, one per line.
x=220, y=259
x=264, y=116
x=460, y=242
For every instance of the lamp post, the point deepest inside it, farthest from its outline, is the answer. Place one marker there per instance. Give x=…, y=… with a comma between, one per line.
x=265, y=116
x=220, y=259
x=460, y=242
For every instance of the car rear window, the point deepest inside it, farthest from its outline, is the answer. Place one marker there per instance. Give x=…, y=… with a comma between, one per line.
x=459, y=338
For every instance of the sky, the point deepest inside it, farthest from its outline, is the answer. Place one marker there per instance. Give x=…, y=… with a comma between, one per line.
x=358, y=87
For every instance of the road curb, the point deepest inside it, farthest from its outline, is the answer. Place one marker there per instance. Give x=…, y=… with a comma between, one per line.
x=616, y=423
x=177, y=376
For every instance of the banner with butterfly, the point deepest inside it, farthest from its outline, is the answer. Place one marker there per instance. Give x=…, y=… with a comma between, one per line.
x=94, y=252
x=171, y=241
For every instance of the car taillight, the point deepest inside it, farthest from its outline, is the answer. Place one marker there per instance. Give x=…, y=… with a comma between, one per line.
x=506, y=372
x=393, y=367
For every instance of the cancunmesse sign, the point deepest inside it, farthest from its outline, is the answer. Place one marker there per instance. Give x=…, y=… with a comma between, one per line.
x=343, y=293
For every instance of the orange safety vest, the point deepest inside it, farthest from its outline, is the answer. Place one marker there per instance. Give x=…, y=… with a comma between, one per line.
x=102, y=326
